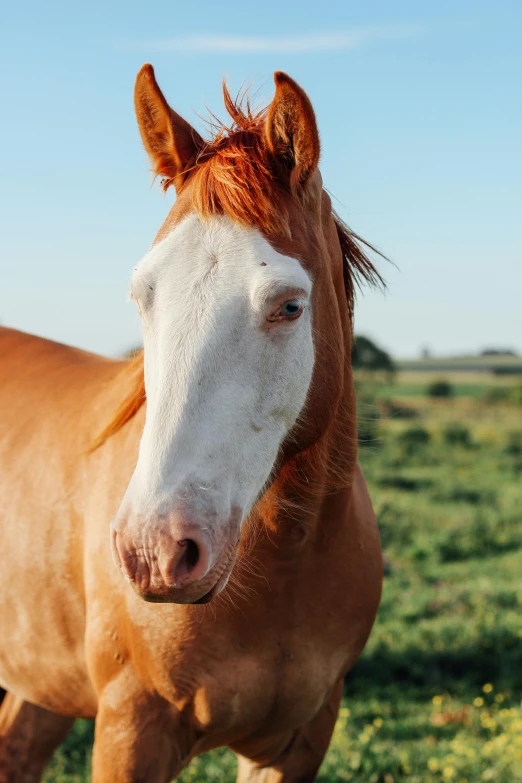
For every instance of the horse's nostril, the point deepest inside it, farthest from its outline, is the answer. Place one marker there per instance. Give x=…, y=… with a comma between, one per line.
x=191, y=553
x=189, y=562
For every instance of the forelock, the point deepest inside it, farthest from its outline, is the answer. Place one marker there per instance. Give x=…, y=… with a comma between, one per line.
x=235, y=173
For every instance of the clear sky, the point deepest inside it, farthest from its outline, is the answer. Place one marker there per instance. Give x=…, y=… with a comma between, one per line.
x=419, y=109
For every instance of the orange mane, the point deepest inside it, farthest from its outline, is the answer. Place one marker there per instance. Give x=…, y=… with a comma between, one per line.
x=133, y=378
x=234, y=175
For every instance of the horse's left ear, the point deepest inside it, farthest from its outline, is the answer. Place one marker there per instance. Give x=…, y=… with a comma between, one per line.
x=291, y=130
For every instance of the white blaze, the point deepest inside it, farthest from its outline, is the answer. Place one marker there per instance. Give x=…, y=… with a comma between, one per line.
x=224, y=384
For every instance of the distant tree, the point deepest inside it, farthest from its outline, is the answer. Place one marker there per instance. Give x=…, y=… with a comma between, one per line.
x=368, y=356
x=440, y=389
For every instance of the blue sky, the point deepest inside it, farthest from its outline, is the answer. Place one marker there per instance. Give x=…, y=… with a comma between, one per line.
x=419, y=109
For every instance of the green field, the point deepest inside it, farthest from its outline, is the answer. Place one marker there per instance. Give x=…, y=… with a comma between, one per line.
x=437, y=694
x=464, y=384
x=497, y=363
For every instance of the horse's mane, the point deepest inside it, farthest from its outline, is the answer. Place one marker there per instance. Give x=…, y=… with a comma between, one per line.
x=132, y=379
x=234, y=172
x=234, y=175
x=357, y=266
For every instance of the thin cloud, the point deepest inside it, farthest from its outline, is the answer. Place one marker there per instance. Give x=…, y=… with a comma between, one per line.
x=284, y=44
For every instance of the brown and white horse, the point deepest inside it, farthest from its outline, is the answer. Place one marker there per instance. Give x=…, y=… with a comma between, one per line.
x=237, y=482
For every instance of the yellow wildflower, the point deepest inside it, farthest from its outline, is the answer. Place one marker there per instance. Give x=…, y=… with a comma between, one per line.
x=355, y=761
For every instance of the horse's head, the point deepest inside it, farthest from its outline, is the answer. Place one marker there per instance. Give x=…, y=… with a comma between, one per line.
x=245, y=327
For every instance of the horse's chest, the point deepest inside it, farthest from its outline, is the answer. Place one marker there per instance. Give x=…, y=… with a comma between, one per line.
x=291, y=685
x=276, y=684
x=268, y=670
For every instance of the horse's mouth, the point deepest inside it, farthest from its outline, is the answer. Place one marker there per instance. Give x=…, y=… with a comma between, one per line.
x=170, y=598
x=214, y=591
x=168, y=595
x=205, y=599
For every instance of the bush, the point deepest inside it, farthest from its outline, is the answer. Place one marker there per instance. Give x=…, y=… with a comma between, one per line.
x=455, y=434
x=414, y=436
x=412, y=442
x=441, y=389
x=514, y=444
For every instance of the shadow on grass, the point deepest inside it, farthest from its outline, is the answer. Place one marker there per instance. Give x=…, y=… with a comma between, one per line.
x=496, y=658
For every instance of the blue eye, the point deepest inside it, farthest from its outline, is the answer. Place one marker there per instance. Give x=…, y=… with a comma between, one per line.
x=291, y=309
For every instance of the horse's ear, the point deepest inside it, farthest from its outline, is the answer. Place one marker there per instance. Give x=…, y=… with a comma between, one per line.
x=291, y=130
x=171, y=143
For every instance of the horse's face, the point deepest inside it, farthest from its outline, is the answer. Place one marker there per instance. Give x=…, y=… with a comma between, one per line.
x=229, y=358
x=228, y=362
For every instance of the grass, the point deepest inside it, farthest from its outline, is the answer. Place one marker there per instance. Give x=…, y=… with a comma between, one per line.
x=436, y=696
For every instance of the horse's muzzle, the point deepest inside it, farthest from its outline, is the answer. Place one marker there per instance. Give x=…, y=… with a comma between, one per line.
x=171, y=560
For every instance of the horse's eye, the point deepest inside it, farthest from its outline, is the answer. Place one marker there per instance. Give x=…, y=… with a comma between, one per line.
x=288, y=311
x=291, y=309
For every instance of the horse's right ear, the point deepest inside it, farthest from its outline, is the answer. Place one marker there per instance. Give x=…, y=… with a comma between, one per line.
x=291, y=130
x=171, y=143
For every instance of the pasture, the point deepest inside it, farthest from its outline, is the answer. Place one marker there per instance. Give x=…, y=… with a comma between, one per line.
x=437, y=693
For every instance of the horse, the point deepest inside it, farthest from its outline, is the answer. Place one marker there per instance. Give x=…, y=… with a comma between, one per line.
x=190, y=554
